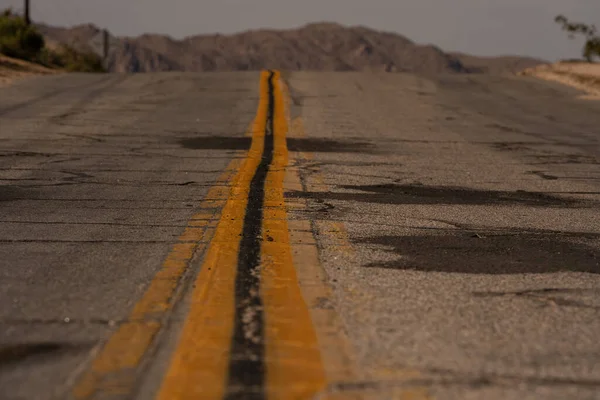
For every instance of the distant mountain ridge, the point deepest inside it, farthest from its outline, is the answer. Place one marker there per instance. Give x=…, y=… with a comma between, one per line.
x=317, y=47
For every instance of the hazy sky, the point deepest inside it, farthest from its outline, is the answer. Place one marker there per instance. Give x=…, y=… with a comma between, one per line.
x=481, y=27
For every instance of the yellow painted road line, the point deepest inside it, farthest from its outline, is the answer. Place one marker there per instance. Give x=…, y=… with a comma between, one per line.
x=199, y=366
x=293, y=358
x=249, y=332
x=112, y=370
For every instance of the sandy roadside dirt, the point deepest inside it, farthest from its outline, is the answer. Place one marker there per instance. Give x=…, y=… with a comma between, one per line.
x=12, y=69
x=582, y=76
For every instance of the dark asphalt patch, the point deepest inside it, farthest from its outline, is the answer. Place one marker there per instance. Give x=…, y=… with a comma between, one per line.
x=11, y=193
x=328, y=146
x=544, y=175
x=217, y=143
x=562, y=297
x=421, y=194
x=504, y=128
x=14, y=353
x=512, y=252
x=565, y=159
x=293, y=144
x=534, y=152
x=512, y=146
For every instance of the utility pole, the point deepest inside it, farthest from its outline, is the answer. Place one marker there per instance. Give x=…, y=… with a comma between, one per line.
x=27, y=16
x=105, y=39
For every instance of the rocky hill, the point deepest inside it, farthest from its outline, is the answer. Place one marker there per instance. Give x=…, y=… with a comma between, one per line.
x=318, y=47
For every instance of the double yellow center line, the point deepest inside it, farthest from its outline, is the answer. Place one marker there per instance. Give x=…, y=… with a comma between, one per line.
x=248, y=333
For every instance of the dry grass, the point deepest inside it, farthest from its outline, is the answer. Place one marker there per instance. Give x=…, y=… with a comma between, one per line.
x=582, y=76
x=12, y=69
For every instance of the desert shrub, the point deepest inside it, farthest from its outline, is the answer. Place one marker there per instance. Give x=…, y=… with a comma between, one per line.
x=591, y=48
x=49, y=58
x=17, y=39
x=74, y=60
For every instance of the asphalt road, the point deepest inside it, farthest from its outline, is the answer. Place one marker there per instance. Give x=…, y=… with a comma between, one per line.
x=453, y=224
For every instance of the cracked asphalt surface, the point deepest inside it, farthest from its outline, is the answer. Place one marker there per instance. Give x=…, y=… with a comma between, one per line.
x=95, y=188
x=473, y=216
x=468, y=259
